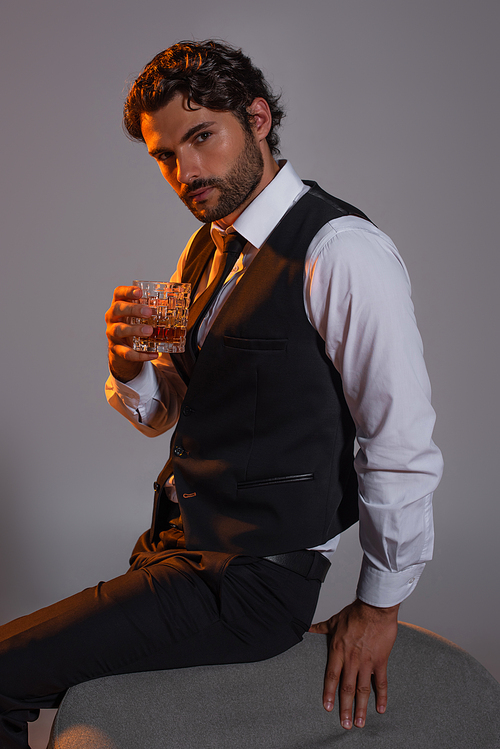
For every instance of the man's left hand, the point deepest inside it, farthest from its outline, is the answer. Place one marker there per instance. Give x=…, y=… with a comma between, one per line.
x=360, y=642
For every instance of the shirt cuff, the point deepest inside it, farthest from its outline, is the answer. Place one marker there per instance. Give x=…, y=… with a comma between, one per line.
x=139, y=391
x=383, y=588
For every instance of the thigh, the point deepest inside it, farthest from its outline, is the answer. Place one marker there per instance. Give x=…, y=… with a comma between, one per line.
x=264, y=610
x=158, y=617
x=103, y=630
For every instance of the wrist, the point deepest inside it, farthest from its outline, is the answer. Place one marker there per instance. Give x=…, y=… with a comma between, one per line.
x=124, y=371
x=388, y=611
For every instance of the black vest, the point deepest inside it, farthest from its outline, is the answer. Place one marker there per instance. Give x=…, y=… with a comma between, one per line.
x=263, y=450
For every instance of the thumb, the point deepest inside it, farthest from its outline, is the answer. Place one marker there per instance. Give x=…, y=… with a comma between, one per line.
x=321, y=628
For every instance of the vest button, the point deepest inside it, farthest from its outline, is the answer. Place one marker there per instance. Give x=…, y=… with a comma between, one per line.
x=179, y=451
x=187, y=410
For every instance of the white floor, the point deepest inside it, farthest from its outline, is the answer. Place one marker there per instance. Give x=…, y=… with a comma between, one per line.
x=39, y=731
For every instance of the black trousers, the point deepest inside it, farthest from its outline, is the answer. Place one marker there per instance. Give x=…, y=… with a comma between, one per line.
x=173, y=608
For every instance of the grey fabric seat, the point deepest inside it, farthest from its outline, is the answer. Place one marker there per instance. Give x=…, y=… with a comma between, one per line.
x=439, y=697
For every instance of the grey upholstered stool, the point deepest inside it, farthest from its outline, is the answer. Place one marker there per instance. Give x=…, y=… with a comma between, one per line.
x=439, y=697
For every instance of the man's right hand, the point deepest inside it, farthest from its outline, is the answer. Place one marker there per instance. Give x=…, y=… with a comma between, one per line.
x=124, y=362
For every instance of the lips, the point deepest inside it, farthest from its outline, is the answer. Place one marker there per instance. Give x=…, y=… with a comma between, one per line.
x=197, y=196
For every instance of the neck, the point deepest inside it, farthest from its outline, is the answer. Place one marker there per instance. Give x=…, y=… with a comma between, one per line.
x=271, y=169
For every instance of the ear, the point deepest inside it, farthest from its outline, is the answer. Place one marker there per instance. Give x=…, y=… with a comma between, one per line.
x=261, y=117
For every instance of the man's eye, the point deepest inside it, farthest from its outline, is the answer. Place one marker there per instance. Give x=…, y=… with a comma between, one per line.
x=203, y=136
x=164, y=156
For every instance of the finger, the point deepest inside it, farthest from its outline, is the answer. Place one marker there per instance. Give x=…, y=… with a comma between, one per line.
x=362, y=695
x=347, y=692
x=129, y=354
x=119, y=331
x=121, y=309
x=127, y=292
x=332, y=678
x=380, y=684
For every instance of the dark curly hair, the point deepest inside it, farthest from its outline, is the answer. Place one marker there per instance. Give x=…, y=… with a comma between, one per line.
x=212, y=74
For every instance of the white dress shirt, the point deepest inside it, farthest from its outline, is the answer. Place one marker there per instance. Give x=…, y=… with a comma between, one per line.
x=357, y=296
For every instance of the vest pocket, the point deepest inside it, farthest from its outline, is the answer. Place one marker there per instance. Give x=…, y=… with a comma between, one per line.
x=275, y=481
x=256, y=344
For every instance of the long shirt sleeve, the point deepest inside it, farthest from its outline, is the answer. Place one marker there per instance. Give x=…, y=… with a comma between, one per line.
x=151, y=401
x=357, y=295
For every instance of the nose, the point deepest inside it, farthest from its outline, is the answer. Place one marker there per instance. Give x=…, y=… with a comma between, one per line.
x=187, y=168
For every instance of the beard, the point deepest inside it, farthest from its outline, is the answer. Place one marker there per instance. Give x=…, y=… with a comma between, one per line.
x=234, y=188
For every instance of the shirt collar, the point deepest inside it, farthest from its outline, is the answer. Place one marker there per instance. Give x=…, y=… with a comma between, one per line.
x=263, y=214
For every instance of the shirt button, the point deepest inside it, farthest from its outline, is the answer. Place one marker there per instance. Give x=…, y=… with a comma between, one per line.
x=411, y=580
x=179, y=451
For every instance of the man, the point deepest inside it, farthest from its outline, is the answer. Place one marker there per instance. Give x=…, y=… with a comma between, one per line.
x=305, y=337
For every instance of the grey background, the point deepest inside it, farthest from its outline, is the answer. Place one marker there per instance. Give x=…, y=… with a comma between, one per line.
x=392, y=105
